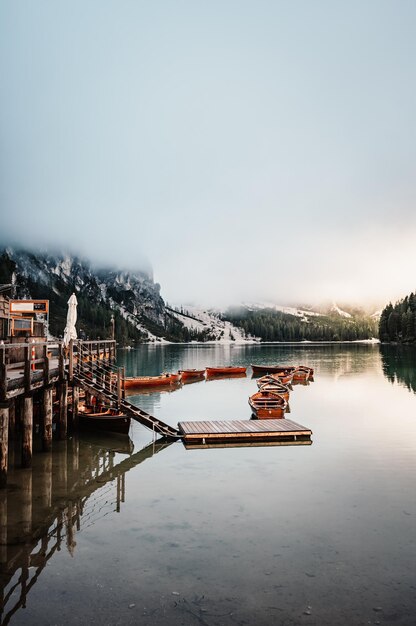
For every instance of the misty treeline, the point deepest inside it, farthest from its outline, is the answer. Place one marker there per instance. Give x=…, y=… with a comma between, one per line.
x=271, y=325
x=398, y=322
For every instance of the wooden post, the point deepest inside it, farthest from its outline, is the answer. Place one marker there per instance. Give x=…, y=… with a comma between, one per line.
x=45, y=364
x=75, y=406
x=123, y=374
x=3, y=374
x=12, y=419
x=3, y=528
x=61, y=362
x=27, y=380
x=71, y=361
x=118, y=387
x=47, y=419
x=63, y=409
x=4, y=443
x=27, y=435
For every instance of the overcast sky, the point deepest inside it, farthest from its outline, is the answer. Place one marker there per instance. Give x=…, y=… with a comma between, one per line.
x=251, y=150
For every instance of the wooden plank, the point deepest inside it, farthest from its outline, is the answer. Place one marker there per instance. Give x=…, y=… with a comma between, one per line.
x=190, y=445
x=247, y=431
x=246, y=426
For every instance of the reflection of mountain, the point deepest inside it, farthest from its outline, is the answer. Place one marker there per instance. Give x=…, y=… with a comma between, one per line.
x=399, y=365
x=43, y=508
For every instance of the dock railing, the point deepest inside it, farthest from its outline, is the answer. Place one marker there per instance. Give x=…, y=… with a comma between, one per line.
x=27, y=365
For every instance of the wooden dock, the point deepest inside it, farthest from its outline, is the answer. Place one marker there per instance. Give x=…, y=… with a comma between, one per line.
x=243, y=431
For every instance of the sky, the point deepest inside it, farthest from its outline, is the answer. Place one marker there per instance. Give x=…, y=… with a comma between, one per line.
x=250, y=150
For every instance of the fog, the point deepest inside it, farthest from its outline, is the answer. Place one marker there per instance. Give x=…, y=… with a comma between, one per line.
x=248, y=151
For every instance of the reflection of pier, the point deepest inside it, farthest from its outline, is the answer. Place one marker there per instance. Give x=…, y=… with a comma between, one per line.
x=44, y=507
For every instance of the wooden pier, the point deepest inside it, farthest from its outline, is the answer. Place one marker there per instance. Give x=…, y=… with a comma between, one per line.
x=35, y=376
x=243, y=431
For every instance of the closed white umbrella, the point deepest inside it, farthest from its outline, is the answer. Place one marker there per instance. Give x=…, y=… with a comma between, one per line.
x=71, y=318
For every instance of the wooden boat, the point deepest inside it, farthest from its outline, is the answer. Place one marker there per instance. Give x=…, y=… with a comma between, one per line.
x=151, y=381
x=268, y=379
x=279, y=377
x=301, y=373
x=276, y=387
x=267, y=405
x=260, y=370
x=108, y=419
x=229, y=370
x=191, y=375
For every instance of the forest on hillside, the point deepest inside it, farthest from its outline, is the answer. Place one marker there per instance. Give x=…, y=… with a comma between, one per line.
x=271, y=325
x=398, y=321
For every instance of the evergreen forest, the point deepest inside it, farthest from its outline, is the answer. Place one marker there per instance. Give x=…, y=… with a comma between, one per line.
x=272, y=325
x=398, y=321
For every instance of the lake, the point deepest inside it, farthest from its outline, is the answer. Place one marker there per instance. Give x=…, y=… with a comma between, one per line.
x=153, y=534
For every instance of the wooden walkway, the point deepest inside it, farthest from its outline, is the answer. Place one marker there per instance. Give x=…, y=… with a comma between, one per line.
x=243, y=431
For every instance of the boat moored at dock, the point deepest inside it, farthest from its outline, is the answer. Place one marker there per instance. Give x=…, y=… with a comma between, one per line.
x=152, y=381
x=229, y=370
x=191, y=375
x=267, y=405
x=104, y=419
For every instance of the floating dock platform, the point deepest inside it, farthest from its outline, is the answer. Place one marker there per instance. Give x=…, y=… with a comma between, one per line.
x=243, y=431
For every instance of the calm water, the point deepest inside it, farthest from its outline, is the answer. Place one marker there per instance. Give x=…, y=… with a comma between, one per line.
x=101, y=533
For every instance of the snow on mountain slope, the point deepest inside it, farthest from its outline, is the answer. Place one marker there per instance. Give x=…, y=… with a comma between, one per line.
x=335, y=309
x=289, y=310
x=202, y=320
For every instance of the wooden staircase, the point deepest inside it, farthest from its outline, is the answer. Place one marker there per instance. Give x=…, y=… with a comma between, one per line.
x=106, y=382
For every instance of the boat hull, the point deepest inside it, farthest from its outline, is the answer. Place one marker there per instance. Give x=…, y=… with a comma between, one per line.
x=225, y=371
x=151, y=381
x=103, y=422
x=267, y=405
x=191, y=375
x=260, y=370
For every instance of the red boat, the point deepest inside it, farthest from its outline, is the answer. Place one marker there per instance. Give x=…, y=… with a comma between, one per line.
x=281, y=377
x=260, y=370
x=267, y=405
x=191, y=375
x=276, y=387
x=302, y=373
x=108, y=419
x=225, y=371
x=151, y=381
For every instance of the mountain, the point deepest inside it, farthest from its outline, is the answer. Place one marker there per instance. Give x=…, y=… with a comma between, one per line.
x=140, y=313
x=210, y=325
x=132, y=297
x=271, y=322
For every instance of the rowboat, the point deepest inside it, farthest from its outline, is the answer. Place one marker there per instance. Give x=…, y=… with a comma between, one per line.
x=191, y=375
x=276, y=387
x=267, y=405
x=152, y=381
x=277, y=379
x=301, y=373
x=259, y=370
x=280, y=377
x=108, y=419
x=225, y=371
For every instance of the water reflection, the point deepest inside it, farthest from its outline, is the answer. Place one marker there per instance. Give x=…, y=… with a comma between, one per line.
x=337, y=360
x=399, y=365
x=43, y=508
